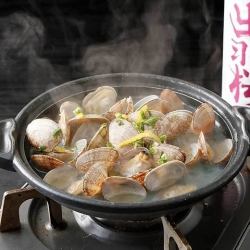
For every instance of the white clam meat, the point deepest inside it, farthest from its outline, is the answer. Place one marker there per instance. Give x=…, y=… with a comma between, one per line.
x=44, y=133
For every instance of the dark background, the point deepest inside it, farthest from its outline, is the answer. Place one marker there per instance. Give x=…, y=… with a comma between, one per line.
x=45, y=43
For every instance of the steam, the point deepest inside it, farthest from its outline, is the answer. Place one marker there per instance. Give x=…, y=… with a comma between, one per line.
x=147, y=51
x=22, y=40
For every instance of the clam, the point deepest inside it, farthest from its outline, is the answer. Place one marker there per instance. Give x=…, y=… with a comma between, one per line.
x=174, y=124
x=100, y=138
x=165, y=175
x=193, y=154
x=145, y=101
x=175, y=190
x=94, y=178
x=46, y=162
x=62, y=177
x=66, y=156
x=122, y=189
x=140, y=176
x=68, y=109
x=153, y=102
x=203, y=119
x=171, y=152
x=222, y=151
x=172, y=101
x=44, y=133
x=99, y=101
x=76, y=188
x=133, y=152
x=63, y=124
x=106, y=156
x=80, y=147
x=206, y=151
x=124, y=106
x=139, y=163
x=84, y=127
x=120, y=131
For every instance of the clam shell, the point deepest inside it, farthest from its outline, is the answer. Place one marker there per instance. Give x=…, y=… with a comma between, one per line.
x=174, y=191
x=193, y=154
x=80, y=147
x=100, y=138
x=64, y=156
x=120, y=131
x=94, y=178
x=46, y=162
x=174, y=124
x=99, y=101
x=172, y=101
x=76, y=188
x=206, y=151
x=63, y=124
x=84, y=127
x=139, y=163
x=203, y=119
x=222, y=151
x=62, y=177
x=145, y=101
x=172, y=152
x=107, y=156
x=68, y=108
x=40, y=133
x=122, y=189
x=140, y=177
x=124, y=106
x=165, y=175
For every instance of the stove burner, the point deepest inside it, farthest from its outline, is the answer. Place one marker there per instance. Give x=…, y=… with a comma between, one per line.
x=118, y=230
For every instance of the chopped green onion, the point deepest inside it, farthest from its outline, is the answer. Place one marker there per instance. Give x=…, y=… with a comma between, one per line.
x=163, y=138
x=57, y=133
x=110, y=145
x=151, y=121
x=42, y=149
x=163, y=158
x=152, y=150
x=78, y=111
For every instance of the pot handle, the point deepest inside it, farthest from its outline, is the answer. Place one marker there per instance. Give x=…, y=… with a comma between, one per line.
x=7, y=143
x=243, y=113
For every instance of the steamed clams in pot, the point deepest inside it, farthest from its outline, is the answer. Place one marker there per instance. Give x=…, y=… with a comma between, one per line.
x=128, y=150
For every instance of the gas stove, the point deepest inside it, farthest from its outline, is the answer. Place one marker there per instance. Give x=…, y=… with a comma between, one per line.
x=221, y=221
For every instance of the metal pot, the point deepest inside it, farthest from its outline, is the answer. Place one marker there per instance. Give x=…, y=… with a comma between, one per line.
x=13, y=145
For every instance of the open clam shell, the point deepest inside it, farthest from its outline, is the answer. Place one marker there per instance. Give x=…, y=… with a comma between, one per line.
x=84, y=127
x=174, y=124
x=203, y=119
x=100, y=138
x=44, y=132
x=124, y=106
x=172, y=101
x=68, y=108
x=76, y=188
x=66, y=156
x=165, y=175
x=171, y=152
x=80, y=147
x=46, y=162
x=100, y=100
x=206, y=151
x=140, y=177
x=222, y=151
x=94, y=178
x=120, y=131
x=145, y=101
x=139, y=163
x=122, y=189
x=107, y=156
x=62, y=177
